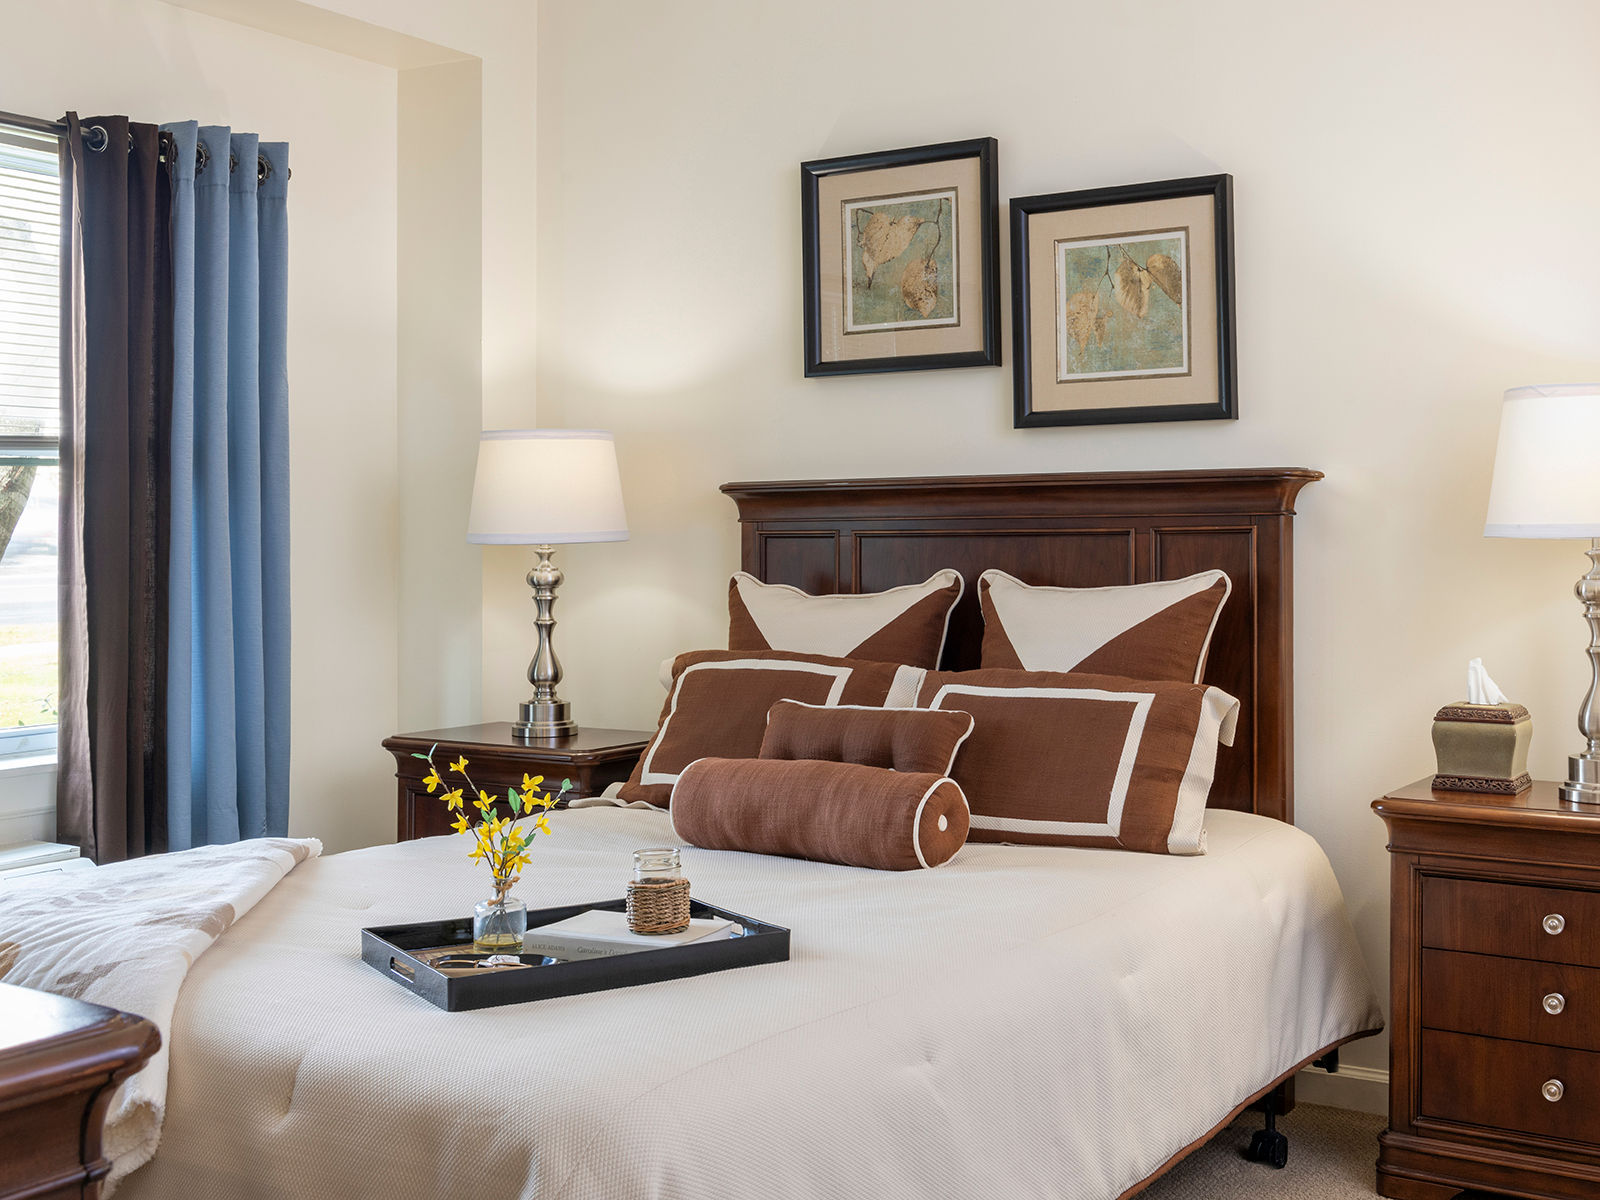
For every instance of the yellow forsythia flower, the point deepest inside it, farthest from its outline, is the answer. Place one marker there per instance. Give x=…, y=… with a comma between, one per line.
x=453, y=799
x=483, y=803
x=542, y=824
x=432, y=780
x=462, y=824
x=547, y=801
x=532, y=782
x=460, y=764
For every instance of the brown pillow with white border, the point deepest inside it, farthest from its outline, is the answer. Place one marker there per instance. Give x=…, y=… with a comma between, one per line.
x=902, y=739
x=845, y=813
x=1086, y=760
x=1158, y=630
x=902, y=625
x=718, y=703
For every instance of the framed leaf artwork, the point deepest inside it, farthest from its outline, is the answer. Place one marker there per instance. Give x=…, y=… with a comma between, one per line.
x=1122, y=304
x=901, y=258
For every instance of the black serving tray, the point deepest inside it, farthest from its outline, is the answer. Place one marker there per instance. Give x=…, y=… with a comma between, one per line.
x=385, y=947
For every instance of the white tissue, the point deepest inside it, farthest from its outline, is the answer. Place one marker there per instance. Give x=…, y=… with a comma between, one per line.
x=1480, y=688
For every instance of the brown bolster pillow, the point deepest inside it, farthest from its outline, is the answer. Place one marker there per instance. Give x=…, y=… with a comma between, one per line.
x=902, y=739
x=825, y=811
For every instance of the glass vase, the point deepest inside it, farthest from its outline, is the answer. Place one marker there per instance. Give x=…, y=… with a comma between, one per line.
x=498, y=925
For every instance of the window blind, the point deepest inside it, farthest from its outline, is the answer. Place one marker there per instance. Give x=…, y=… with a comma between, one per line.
x=30, y=284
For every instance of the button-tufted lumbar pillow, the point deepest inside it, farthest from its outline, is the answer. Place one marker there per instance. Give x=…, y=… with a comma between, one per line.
x=901, y=739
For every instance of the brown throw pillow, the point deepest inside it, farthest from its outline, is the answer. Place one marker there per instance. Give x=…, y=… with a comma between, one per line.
x=1156, y=630
x=825, y=811
x=1086, y=760
x=902, y=625
x=717, y=707
x=901, y=739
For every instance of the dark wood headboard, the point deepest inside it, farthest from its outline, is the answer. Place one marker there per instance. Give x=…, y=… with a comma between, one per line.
x=1079, y=530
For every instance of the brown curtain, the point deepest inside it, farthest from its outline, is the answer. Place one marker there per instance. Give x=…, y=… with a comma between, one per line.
x=116, y=350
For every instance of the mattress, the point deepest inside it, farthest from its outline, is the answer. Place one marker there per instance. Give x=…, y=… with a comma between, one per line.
x=1024, y=1021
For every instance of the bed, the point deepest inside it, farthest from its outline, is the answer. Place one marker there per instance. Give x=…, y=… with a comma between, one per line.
x=1024, y=1021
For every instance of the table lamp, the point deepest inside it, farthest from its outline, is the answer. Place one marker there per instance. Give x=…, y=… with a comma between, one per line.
x=544, y=488
x=1547, y=485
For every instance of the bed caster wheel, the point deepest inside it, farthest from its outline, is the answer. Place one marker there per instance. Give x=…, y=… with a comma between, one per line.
x=1269, y=1146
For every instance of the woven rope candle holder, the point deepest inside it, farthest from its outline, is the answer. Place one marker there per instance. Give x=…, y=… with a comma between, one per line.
x=658, y=905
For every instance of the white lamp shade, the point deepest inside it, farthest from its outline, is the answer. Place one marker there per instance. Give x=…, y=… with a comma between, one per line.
x=539, y=487
x=1547, y=464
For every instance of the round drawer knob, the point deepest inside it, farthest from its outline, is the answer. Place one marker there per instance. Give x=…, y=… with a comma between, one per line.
x=1552, y=1090
x=1554, y=923
x=1555, y=1003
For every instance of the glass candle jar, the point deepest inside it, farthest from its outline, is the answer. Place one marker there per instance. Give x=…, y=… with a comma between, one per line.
x=658, y=896
x=657, y=865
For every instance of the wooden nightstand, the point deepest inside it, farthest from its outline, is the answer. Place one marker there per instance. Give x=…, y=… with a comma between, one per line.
x=593, y=759
x=1494, y=1062
x=60, y=1061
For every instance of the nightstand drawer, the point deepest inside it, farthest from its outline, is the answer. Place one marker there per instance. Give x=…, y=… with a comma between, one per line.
x=1553, y=1004
x=1510, y=920
x=1512, y=1086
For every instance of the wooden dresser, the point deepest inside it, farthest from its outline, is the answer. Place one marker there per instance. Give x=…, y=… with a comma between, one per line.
x=1494, y=1062
x=60, y=1062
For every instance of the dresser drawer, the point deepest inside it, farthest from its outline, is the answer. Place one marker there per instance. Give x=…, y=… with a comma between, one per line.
x=1500, y=1085
x=1554, y=1004
x=1548, y=924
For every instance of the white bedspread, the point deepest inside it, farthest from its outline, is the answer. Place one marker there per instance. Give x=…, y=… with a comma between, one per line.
x=1025, y=1021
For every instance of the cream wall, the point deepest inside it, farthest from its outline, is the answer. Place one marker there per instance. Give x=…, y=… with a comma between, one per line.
x=1415, y=202
x=159, y=62
x=502, y=36
x=440, y=382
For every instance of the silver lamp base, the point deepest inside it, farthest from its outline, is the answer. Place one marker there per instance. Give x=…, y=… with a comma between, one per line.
x=540, y=721
x=546, y=716
x=1583, y=770
x=1583, y=780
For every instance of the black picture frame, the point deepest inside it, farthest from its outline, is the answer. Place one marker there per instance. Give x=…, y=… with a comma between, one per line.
x=1226, y=405
x=986, y=151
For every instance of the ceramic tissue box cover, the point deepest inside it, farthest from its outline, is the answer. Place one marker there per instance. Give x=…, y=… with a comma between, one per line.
x=1482, y=748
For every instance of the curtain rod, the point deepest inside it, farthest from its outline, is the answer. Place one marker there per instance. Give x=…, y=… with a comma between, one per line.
x=95, y=137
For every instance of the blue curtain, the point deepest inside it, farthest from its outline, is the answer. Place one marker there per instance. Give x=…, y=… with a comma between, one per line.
x=228, y=638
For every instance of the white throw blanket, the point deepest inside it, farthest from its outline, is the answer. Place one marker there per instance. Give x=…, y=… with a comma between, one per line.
x=125, y=935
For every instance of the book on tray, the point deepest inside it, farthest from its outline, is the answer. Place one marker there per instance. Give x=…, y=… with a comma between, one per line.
x=601, y=933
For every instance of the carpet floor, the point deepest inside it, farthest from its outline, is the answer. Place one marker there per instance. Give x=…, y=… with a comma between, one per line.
x=1332, y=1153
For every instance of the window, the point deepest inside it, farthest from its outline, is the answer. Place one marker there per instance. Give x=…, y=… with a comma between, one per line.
x=30, y=434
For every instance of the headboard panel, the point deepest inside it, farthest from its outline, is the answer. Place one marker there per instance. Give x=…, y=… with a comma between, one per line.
x=1072, y=530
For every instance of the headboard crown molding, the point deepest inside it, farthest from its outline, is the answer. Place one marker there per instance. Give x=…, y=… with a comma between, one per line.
x=1230, y=490
x=1086, y=529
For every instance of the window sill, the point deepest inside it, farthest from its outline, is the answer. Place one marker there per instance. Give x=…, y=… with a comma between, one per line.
x=20, y=765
